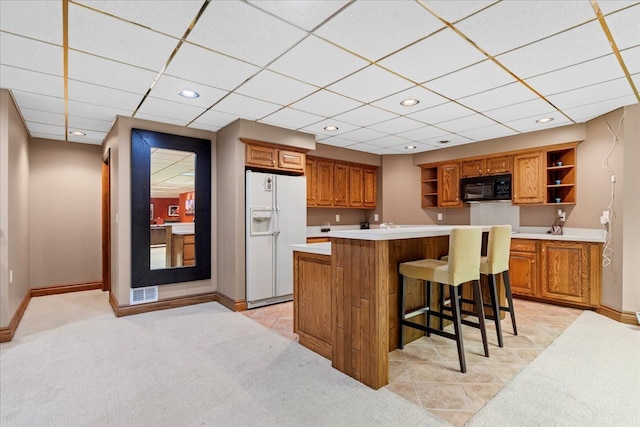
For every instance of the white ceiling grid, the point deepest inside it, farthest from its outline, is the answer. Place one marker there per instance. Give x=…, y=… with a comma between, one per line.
x=307, y=65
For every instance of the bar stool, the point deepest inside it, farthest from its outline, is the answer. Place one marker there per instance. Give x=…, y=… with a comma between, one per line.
x=464, y=266
x=496, y=262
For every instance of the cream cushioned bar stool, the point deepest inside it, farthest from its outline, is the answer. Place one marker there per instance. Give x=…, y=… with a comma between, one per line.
x=464, y=266
x=496, y=262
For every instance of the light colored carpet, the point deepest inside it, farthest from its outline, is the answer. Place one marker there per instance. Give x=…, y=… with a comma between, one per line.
x=589, y=376
x=72, y=363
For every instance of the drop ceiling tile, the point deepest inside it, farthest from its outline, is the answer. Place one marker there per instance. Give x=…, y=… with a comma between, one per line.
x=174, y=110
x=469, y=81
x=466, y=123
x=452, y=139
x=427, y=99
x=337, y=141
x=585, y=74
x=91, y=137
x=46, y=128
x=304, y=14
x=214, y=120
x=41, y=57
x=453, y=11
x=105, y=72
x=390, y=151
x=212, y=69
x=244, y=32
x=44, y=117
x=43, y=135
x=609, y=6
x=423, y=133
x=363, y=22
x=38, y=102
x=289, y=118
x=41, y=20
x=534, y=109
x=93, y=32
x=440, y=54
x=169, y=17
x=98, y=112
x=624, y=26
x=529, y=124
x=168, y=88
x=501, y=97
x=397, y=125
x=362, y=146
x=390, y=141
x=488, y=132
x=93, y=94
x=510, y=24
x=160, y=119
x=596, y=93
x=587, y=112
x=31, y=81
x=245, y=107
x=275, y=88
x=441, y=113
x=401, y=149
x=317, y=62
x=362, y=135
x=318, y=128
x=631, y=58
x=95, y=125
x=325, y=103
x=365, y=116
x=578, y=45
x=370, y=84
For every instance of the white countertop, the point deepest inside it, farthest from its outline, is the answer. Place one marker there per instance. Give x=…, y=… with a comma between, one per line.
x=314, y=248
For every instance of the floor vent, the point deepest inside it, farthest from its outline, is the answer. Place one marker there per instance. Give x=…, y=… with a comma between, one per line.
x=142, y=295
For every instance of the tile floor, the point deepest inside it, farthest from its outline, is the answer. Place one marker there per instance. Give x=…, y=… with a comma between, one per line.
x=427, y=373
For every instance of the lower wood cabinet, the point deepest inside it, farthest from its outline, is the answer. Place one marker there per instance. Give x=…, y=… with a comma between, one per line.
x=312, y=301
x=557, y=271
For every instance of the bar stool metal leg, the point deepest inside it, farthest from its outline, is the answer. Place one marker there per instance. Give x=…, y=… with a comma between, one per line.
x=495, y=306
x=507, y=289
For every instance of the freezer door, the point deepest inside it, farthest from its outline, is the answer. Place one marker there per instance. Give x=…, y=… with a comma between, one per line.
x=260, y=227
x=291, y=227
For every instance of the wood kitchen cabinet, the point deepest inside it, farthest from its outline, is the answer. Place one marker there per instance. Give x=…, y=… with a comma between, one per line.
x=269, y=156
x=310, y=173
x=561, y=176
x=449, y=185
x=356, y=186
x=324, y=182
x=522, y=267
x=341, y=185
x=485, y=166
x=528, y=178
x=429, y=186
x=370, y=188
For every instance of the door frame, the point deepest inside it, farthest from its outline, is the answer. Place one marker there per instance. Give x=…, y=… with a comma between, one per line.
x=106, y=221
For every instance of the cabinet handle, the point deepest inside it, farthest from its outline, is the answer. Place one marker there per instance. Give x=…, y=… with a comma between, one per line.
x=487, y=170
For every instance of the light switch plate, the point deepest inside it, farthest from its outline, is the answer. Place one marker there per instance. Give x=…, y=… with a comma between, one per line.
x=439, y=217
x=375, y=217
x=337, y=217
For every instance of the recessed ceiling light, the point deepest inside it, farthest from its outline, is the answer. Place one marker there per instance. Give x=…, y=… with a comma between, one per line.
x=410, y=147
x=444, y=141
x=544, y=120
x=77, y=133
x=330, y=128
x=409, y=102
x=188, y=93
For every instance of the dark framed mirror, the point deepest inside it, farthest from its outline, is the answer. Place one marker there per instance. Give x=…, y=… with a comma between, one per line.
x=170, y=239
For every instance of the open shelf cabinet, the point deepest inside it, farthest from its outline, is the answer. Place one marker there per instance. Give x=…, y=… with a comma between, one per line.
x=561, y=176
x=429, y=187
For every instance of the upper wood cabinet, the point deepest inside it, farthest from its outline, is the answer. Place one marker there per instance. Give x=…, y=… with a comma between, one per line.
x=486, y=166
x=312, y=188
x=528, y=182
x=342, y=184
x=561, y=176
x=268, y=156
x=429, y=186
x=449, y=185
x=472, y=168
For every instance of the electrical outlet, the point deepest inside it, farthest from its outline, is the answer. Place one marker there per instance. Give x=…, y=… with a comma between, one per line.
x=606, y=215
x=562, y=215
x=10, y=276
x=337, y=217
x=375, y=217
x=439, y=217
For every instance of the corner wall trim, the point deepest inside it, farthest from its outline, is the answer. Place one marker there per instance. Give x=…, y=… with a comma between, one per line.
x=626, y=317
x=231, y=304
x=63, y=289
x=6, y=333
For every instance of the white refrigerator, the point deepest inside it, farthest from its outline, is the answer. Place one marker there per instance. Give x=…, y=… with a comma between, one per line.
x=276, y=218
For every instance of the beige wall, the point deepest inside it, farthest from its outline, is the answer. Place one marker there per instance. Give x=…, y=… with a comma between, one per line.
x=65, y=211
x=119, y=142
x=631, y=209
x=14, y=208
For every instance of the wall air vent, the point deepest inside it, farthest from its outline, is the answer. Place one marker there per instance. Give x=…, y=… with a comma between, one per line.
x=142, y=295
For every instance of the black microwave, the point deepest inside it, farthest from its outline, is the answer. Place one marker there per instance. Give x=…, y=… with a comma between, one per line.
x=483, y=188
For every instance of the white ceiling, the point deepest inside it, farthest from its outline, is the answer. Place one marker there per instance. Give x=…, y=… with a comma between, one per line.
x=480, y=69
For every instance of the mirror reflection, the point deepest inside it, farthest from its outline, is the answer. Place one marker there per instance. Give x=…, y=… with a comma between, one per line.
x=172, y=208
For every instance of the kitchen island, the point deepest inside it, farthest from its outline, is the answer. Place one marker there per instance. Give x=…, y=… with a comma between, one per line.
x=359, y=282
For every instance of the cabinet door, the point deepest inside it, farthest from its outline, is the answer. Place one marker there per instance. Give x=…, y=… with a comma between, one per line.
x=310, y=173
x=472, y=168
x=370, y=186
x=522, y=272
x=497, y=165
x=324, y=180
x=356, y=189
x=528, y=178
x=291, y=160
x=340, y=184
x=449, y=185
x=257, y=155
x=565, y=272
